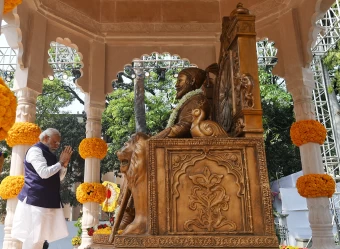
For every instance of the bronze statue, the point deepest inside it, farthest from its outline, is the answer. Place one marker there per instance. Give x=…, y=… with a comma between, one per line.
x=132, y=156
x=191, y=97
x=211, y=193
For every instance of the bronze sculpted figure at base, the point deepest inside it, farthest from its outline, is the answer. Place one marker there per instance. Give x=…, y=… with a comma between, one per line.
x=132, y=157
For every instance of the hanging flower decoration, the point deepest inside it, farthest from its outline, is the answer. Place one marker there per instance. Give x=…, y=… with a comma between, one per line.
x=11, y=186
x=112, y=193
x=23, y=133
x=315, y=185
x=9, y=5
x=93, y=147
x=91, y=192
x=8, y=106
x=307, y=131
x=180, y=103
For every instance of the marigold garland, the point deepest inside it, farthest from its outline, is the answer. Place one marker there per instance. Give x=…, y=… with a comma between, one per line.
x=23, y=133
x=93, y=147
x=91, y=192
x=307, y=131
x=11, y=186
x=9, y=5
x=315, y=185
x=175, y=111
x=8, y=106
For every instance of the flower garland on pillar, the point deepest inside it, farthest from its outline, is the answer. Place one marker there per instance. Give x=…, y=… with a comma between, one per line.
x=8, y=106
x=11, y=186
x=23, y=133
x=312, y=185
x=9, y=5
x=92, y=148
x=91, y=192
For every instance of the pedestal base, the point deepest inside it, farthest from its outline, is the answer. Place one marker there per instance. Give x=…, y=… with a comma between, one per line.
x=198, y=241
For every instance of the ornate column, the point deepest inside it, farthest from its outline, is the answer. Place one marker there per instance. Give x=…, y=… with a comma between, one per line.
x=90, y=218
x=319, y=212
x=26, y=111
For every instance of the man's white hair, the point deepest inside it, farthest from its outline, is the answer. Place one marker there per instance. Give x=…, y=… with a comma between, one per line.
x=48, y=132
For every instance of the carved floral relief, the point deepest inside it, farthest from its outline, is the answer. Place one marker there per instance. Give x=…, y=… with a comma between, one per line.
x=208, y=198
x=212, y=186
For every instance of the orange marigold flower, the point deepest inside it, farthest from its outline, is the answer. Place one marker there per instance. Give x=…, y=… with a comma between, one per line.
x=91, y=192
x=8, y=106
x=307, y=131
x=315, y=185
x=93, y=147
x=23, y=133
x=11, y=186
x=9, y=5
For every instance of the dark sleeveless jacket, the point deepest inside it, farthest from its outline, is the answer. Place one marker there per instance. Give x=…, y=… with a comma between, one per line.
x=41, y=192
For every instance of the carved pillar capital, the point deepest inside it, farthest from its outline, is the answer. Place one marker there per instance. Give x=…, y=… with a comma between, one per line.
x=94, y=111
x=27, y=99
x=300, y=84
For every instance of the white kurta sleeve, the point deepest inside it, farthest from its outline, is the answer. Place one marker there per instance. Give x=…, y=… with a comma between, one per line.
x=39, y=163
x=62, y=173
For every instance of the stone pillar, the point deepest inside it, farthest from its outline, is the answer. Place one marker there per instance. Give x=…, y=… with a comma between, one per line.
x=301, y=87
x=25, y=113
x=90, y=218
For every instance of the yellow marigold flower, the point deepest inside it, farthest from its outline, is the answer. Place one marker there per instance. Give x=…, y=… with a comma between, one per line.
x=9, y=5
x=120, y=232
x=11, y=186
x=91, y=192
x=23, y=133
x=307, y=131
x=76, y=240
x=93, y=147
x=8, y=106
x=315, y=185
x=106, y=230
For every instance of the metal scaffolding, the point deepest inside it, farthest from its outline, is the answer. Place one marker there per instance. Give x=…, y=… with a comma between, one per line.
x=326, y=40
x=8, y=58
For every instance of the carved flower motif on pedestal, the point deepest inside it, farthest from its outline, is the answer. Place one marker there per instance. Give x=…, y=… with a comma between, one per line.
x=209, y=198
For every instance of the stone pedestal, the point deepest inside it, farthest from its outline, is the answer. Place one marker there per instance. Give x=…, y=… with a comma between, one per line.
x=206, y=193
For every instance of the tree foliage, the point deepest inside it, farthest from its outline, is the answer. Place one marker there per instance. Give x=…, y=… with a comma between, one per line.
x=5, y=172
x=283, y=158
x=119, y=118
x=332, y=62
